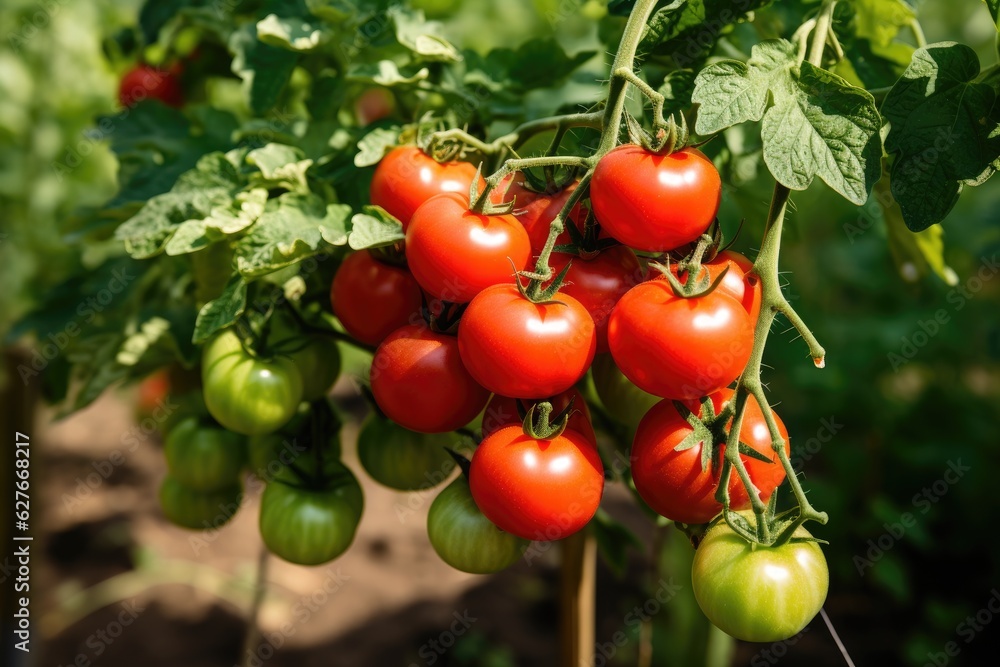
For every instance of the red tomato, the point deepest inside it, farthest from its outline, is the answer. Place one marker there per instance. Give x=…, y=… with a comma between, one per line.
x=372, y=299
x=502, y=411
x=407, y=177
x=655, y=202
x=374, y=104
x=673, y=484
x=738, y=283
x=679, y=348
x=144, y=82
x=536, y=210
x=599, y=283
x=153, y=390
x=514, y=347
x=455, y=254
x=537, y=489
x=419, y=381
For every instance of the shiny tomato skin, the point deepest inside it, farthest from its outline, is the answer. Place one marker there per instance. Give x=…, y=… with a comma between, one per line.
x=204, y=457
x=737, y=283
x=673, y=484
x=363, y=281
x=455, y=254
x=655, y=202
x=679, y=348
x=598, y=283
x=407, y=177
x=502, y=411
x=514, y=347
x=148, y=82
x=419, y=381
x=537, y=489
x=759, y=593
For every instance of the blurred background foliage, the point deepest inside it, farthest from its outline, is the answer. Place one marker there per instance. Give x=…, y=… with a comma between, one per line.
x=852, y=273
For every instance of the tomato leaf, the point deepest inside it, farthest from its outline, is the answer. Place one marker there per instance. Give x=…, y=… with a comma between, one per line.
x=281, y=166
x=292, y=34
x=511, y=72
x=374, y=145
x=221, y=312
x=264, y=69
x=374, y=228
x=386, y=73
x=293, y=227
x=676, y=89
x=613, y=541
x=994, y=6
x=943, y=132
x=916, y=254
x=423, y=38
x=686, y=30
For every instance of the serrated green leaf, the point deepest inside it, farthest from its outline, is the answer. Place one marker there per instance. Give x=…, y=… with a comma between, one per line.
x=422, y=37
x=374, y=228
x=688, y=34
x=292, y=34
x=194, y=235
x=385, y=73
x=281, y=166
x=264, y=69
x=677, y=88
x=374, y=145
x=917, y=254
x=293, y=227
x=221, y=312
x=671, y=20
x=823, y=127
x=943, y=132
x=730, y=92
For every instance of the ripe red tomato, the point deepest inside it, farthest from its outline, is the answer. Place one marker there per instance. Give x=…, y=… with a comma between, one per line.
x=362, y=283
x=599, y=283
x=537, y=489
x=407, y=177
x=455, y=254
x=514, y=347
x=679, y=348
x=502, y=411
x=536, y=210
x=655, y=202
x=738, y=283
x=144, y=82
x=419, y=381
x=374, y=104
x=673, y=483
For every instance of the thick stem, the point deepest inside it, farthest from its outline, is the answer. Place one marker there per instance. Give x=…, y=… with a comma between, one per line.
x=823, y=24
x=577, y=612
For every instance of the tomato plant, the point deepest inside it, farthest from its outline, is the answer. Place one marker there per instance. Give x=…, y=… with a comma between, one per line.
x=653, y=201
x=248, y=395
x=363, y=280
x=315, y=356
x=536, y=210
x=503, y=411
x=464, y=538
x=419, y=382
x=407, y=177
x=456, y=253
x=759, y=593
x=680, y=485
x=514, y=347
x=198, y=510
x=538, y=489
x=311, y=526
x=737, y=282
x=676, y=347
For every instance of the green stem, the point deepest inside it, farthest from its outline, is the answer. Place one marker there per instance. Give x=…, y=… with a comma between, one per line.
x=823, y=24
x=652, y=95
x=624, y=59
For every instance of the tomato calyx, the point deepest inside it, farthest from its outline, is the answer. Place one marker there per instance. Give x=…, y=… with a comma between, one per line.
x=443, y=316
x=780, y=527
x=668, y=135
x=711, y=431
x=696, y=284
x=534, y=292
x=539, y=422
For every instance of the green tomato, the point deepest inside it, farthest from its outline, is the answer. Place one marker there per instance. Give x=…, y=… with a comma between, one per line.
x=402, y=459
x=270, y=454
x=464, y=538
x=317, y=357
x=755, y=593
x=203, y=457
x=310, y=527
x=623, y=400
x=199, y=510
x=248, y=395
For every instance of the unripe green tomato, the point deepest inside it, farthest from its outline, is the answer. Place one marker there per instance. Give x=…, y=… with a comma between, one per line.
x=623, y=400
x=756, y=593
x=464, y=538
x=316, y=356
x=248, y=395
x=402, y=459
x=199, y=510
x=205, y=458
x=310, y=527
